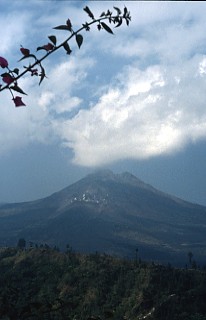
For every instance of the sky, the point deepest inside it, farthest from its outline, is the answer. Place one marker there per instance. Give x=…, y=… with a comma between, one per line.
x=133, y=101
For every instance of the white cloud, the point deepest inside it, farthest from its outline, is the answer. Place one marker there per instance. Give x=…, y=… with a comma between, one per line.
x=64, y=78
x=148, y=115
x=10, y=43
x=45, y=99
x=202, y=66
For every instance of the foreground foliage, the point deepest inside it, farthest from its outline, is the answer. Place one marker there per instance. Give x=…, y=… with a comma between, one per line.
x=42, y=283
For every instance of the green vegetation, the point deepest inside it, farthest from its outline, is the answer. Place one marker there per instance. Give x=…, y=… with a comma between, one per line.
x=43, y=283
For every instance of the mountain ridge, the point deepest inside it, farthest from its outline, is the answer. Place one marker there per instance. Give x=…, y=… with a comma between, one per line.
x=125, y=177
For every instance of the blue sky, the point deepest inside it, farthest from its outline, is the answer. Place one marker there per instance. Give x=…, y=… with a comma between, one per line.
x=134, y=101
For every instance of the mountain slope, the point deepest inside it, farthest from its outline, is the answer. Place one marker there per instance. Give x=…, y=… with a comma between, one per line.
x=113, y=213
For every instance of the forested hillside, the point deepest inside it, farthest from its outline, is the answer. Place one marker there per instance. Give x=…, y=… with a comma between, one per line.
x=42, y=283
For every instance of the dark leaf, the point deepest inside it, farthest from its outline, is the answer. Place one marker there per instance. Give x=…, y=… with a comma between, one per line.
x=18, y=89
x=16, y=70
x=79, y=40
x=86, y=26
x=29, y=56
x=62, y=27
x=118, y=10
x=67, y=47
x=109, y=13
x=40, y=48
x=125, y=12
x=102, y=15
x=53, y=39
x=5, y=74
x=119, y=23
x=69, y=24
x=106, y=27
x=99, y=27
x=42, y=75
x=88, y=11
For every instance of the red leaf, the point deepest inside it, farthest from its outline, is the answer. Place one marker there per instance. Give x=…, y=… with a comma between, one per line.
x=18, y=102
x=25, y=52
x=7, y=78
x=3, y=62
x=48, y=47
x=34, y=72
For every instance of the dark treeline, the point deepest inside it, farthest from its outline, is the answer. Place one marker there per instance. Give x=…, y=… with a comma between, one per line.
x=43, y=283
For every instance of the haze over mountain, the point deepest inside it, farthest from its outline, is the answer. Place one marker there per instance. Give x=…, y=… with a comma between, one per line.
x=112, y=213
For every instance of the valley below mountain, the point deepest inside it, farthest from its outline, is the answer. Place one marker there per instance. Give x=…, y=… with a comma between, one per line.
x=117, y=214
